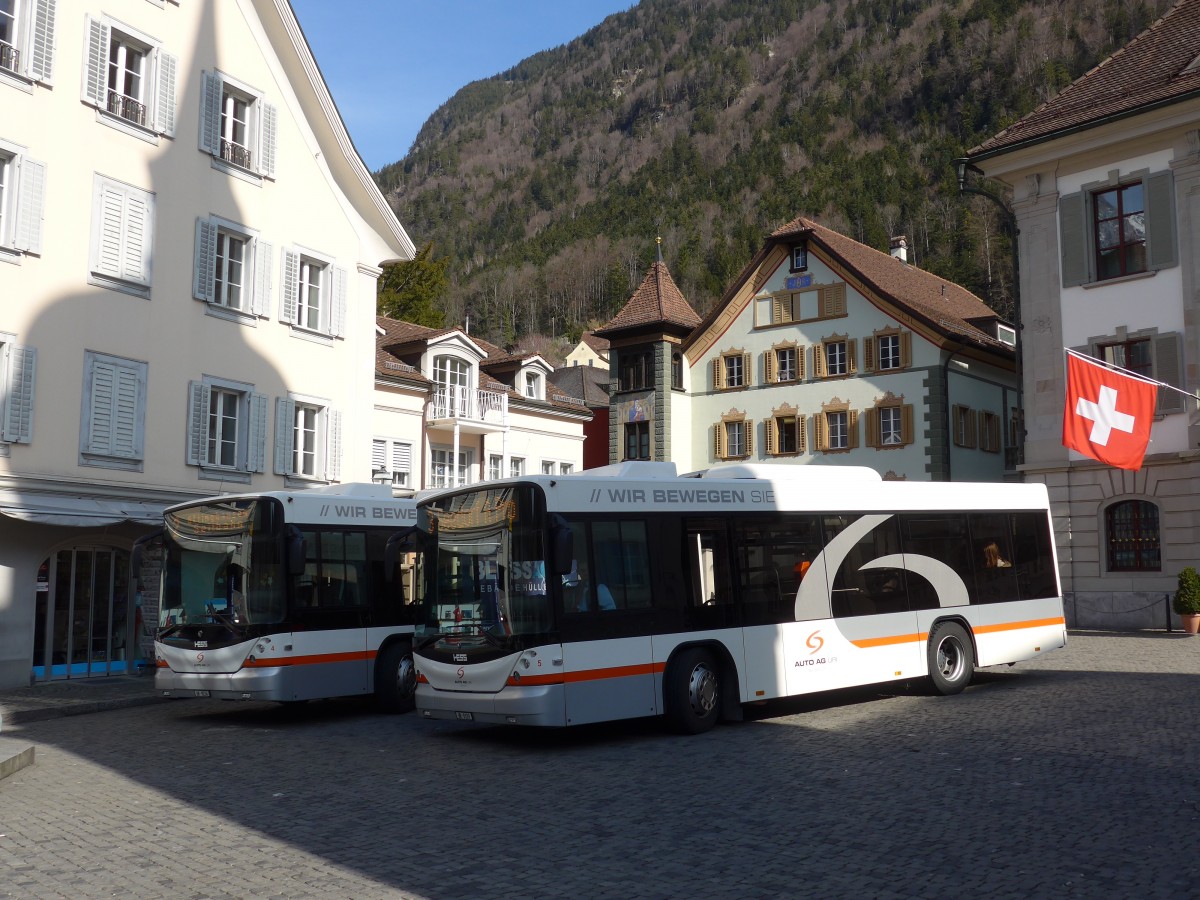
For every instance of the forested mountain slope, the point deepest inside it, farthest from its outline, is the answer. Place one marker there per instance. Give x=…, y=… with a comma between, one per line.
x=711, y=122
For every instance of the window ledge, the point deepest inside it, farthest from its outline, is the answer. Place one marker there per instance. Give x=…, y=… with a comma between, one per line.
x=229, y=168
x=10, y=256
x=217, y=311
x=216, y=473
x=16, y=80
x=123, y=287
x=111, y=462
x=1123, y=279
x=317, y=337
x=149, y=135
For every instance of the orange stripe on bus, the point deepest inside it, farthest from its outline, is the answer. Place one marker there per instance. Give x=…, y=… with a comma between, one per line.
x=890, y=640
x=590, y=674
x=276, y=662
x=1013, y=626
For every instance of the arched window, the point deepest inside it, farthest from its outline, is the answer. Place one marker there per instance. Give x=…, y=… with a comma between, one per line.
x=1133, y=537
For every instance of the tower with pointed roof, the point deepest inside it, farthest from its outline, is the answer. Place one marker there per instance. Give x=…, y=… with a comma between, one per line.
x=647, y=365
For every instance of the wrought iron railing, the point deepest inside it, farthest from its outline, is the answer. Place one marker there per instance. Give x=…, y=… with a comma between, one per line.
x=127, y=108
x=453, y=402
x=235, y=153
x=10, y=57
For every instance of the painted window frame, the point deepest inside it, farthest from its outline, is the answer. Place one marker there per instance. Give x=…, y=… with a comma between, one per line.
x=773, y=369
x=733, y=436
x=879, y=433
x=326, y=448
x=250, y=452
x=440, y=459
x=152, y=113
x=776, y=430
x=255, y=159
x=257, y=269
x=303, y=268
x=28, y=58
x=733, y=370
x=848, y=356
x=1166, y=360
x=898, y=355
x=836, y=427
x=394, y=457
x=22, y=202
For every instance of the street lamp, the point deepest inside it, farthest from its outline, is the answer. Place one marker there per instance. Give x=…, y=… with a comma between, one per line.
x=381, y=476
x=964, y=168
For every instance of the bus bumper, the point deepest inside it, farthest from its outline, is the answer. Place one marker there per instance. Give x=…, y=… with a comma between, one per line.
x=246, y=684
x=541, y=704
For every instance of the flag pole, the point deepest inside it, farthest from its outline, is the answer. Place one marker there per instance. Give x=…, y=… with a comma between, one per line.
x=1128, y=372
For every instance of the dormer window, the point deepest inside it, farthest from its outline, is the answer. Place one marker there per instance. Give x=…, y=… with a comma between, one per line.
x=532, y=387
x=452, y=377
x=800, y=258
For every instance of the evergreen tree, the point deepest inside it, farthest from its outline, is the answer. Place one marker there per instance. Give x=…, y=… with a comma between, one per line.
x=411, y=291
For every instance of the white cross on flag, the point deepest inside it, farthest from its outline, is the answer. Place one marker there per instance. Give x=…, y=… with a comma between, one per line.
x=1108, y=415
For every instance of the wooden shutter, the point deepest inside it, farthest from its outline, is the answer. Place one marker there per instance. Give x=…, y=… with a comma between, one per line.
x=1073, y=242
x=1161, y=244
x=801, y=433
x=821, y=431
x=289, y=287
x=748, y=437
x=18, y=407
x=285, y=417
x=337, y=312
x=164, y=117
x=905, y=349
x=771, y=436
x=873, y=417
x=270, y=127
x=868, y=354
x=718, y=370
x=212, y=87
x=832, y=300
x=1168, y=368
x=819, y=360
x=42, y=65
x=264, y=253
x=851, y=428
x=197, y=422
x=256, y=449
x=333, y=446
x=205, y=260
x=801, y=350
x=851, y=356
x=906, y=424
x=747, y=369
x=31, y=190
x=971, y=437
x=95, y=72
x=770, y=369
x=719, y=440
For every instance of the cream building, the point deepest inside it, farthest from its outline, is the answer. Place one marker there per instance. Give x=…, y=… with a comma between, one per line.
x=189, y=246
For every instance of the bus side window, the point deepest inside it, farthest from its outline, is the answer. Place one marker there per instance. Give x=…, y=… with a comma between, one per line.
x=707, y=563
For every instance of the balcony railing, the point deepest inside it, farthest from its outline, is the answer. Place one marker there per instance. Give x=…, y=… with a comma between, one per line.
x=127, y=108
x=10, y=57
x=452, y=402
x=235, y=153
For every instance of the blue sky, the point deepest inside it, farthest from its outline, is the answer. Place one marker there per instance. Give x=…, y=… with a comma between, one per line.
x=391, y=63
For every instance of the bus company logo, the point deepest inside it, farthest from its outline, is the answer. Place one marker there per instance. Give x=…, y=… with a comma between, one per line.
x=199, y=659
x=815, y=642
x=461, y=672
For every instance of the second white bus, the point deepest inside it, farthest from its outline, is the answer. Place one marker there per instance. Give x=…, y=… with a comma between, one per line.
x=632, y=591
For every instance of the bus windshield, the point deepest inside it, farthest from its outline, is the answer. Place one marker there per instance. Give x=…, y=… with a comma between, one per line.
x=490, y=566
x=223, y=563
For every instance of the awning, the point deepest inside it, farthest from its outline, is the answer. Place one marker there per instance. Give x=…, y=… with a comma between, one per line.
x=81, y=512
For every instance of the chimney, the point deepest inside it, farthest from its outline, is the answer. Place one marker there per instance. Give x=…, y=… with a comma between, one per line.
x=899, y=248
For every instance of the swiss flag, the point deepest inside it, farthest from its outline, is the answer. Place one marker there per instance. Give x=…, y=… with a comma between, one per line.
x=1108, y=415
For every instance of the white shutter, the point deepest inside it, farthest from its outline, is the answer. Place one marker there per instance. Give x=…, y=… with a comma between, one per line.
x=100, y=421
x=42, y=65
x=95, y=73
x=264, y=254
x=210, y=113
x=333, y=446
x=291, y=284
x=206, y=249
x=379, y=455
x=285, y=414
x=125, y=414
x=112, y=225
x=197, y=421
x=257, y=437
x=136, y=258
x=337, y=316
x=18, y=406
x=168, y=65
x=270, y=126
x=401, y=457
x=31, y=191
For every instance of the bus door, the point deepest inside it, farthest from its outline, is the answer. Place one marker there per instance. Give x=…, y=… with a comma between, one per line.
x=870, y=634
x=607, y=622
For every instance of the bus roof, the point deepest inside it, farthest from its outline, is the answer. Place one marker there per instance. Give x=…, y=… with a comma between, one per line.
x=353, y=503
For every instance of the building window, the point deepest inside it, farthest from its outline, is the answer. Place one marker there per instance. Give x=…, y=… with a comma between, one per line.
x=495, y=466
x=18, y=368
x=237, y=127
x=784, y=363
x=122, y=237
x=22, y=189
x=308, y=439
x=516, y=466
x=964, y=421
x=836, y=427
x=784, y=432
x=890, y=423
x=1134, y=355
x=800, y=259
x=226, y=428
x=1123, y=227
x=547, y=467
x=1134, y=541
x=232, y=267
x=731, y=370
x=314, y=293
x=445, y=473
x=887, y=350
x=533, y=386
x=636, y=370
x=835, y=356
x=1148, y=353
x=391, y=459
x=113, y=424
x=128, y=77
x=452, y=393
x=566, y=468
x=677, y=371
x=27, y=38
x=989, y=432
x=733, y=436
x=637, y=440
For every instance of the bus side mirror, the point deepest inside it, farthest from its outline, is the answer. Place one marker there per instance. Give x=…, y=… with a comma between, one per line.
x=408, y=540
x=295, y=551
x=135, y=558
x=562, y=544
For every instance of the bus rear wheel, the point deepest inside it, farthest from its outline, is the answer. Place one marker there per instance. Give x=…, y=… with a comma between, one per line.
x=396, y=679
x=951, y=658
x=692, y=692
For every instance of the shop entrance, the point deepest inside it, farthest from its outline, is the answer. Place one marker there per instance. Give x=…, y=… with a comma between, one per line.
x=82, y=628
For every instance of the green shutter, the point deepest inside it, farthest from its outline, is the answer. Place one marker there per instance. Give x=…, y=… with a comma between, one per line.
x=1168, y=368
x=1161, y=249
x=1073, y=243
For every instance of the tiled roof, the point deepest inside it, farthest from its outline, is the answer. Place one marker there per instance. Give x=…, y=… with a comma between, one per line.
x=586, y=382
x=1160, y=66
x=599, y=344
x=657, y=301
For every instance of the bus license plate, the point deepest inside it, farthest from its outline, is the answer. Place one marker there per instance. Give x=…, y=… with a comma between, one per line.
x=202, y=693
x=466, y=716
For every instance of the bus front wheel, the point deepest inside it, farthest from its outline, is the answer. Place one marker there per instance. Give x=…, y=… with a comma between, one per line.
x=951, y=658
x=692, y=692
x=396, y=679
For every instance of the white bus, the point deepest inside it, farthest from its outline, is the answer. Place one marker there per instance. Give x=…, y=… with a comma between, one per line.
x=290, y=596
x=631, y=591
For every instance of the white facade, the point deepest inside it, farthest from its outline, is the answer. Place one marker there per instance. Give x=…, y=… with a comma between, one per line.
x=195, y=246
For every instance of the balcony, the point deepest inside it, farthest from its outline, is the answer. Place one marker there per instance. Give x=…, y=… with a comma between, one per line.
x=127, y=108
x=235, y=153
x=10, y=57
x=473, y=412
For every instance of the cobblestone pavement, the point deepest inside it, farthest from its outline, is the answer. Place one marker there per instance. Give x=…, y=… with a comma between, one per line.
x=1071, y=776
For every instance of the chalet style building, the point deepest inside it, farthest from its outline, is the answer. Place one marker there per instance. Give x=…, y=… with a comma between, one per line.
x=1106, y=191
x=451, y=409
x=189, y=248
x=822, y=351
